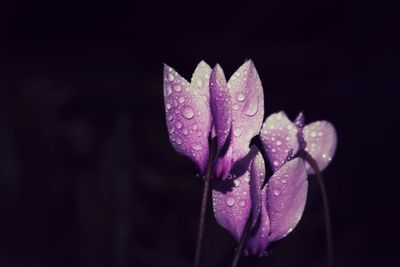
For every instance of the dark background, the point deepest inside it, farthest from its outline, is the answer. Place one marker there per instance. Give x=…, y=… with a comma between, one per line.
x=87, y=174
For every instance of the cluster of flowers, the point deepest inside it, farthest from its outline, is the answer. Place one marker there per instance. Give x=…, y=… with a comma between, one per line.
x=232, y=112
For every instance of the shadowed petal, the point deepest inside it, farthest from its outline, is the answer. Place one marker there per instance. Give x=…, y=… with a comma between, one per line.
x=258, y=238
x=247, y=107
x=321, y=140
x=257, y=177
x=221, y=112
x=232, y=199
x=286, y=198
x=188, y=113
x=279, y=136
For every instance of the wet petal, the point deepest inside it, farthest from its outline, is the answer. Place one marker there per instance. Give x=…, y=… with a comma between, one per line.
x=247, y=107
x=286, y=198
x=188, y=113
x=279, y=136
x=258, y=238
x=321, y=140
x=221, y=112
x=257, y=177
x=232, y=199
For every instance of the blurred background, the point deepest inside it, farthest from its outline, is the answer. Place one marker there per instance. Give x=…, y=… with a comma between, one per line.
x=87, y=174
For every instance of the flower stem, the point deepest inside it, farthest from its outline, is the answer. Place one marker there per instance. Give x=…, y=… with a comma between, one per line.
x=206, y=189
x=324, y=195
x=242, y=242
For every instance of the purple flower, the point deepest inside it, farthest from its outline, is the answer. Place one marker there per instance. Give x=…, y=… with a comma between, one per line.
x=188, y=114
x=280, y=136
x=276, y=208
x=231, y=111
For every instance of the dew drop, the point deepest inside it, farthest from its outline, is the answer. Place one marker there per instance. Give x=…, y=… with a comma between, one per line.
x=171, y=77
x=313, y=134
x=278, y=143
x=188, y=112
x=185, y=132
x=178, y=125
x=196, y=147
x=277, y=192
x=181, y=99
x=240, y=97
x=284, y=181
x=168, y=90
x=170, y=117
x=230, y=201
x=179, y=141
x=236, y=182
x=178, y=88
x=247, y=179
x=320, y=134
x=242, y=203
x=171, y=130
x=194, y=127
x=252, y=109
x=235, y=106
x=324, y=155
x=168, y=106
x=237, y=131
x=276, y=163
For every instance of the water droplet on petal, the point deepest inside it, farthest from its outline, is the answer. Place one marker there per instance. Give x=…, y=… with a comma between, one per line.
x=277, y=192
x=284, y=180
x=313, y=134
x=278, y=143
x=171, y=130
x=168, y=106
x=230, y=201
x=236, y=182
x=194, y=127
x=168, y=90
x=178, y=125
x=240, y=97
x=178, y=88
x=171, y=77
x=185, y=132
x=242, y=203
x=196, y=147
x=237, y=131
x=188, y=112
x=179, y=141
x=276, y=163
x=235, y=106
x=252, y=109
x=181, y=99
x=170, y=117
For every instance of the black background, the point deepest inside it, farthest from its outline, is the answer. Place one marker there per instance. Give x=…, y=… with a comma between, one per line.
x=87, y=174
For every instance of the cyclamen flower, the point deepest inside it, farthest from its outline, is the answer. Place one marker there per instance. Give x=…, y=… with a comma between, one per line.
x=276, y=208
x=232, y=111
x=280, y=136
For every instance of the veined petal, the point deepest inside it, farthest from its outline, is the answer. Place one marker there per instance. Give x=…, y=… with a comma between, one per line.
x=188, y=113
x=321, y=140
x=286, y=198
x=279, y=136
x=220, y=105
x=232, y=199
x=247, y=107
